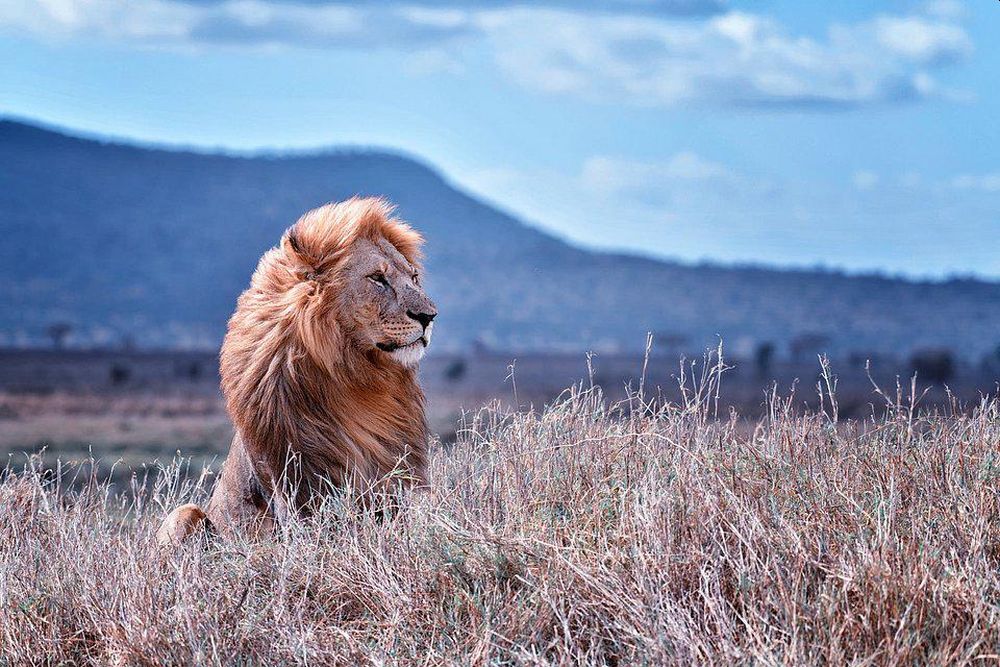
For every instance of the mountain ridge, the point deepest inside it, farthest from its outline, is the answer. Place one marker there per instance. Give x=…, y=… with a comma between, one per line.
x=154, y=243
x=351, y=150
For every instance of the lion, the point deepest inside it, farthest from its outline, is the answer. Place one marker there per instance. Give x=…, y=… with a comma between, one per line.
x=319, y=371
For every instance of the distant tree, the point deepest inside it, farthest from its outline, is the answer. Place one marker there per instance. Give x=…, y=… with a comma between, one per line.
x=128, y=342
x=763, y=358
x=933, y=364
x=119, y=374
x=673, y=344
x=455, y=370
x=188, y=369
x=59, y=332
x=807, y=345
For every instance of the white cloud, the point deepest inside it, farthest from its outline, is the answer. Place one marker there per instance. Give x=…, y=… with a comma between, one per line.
x=248, y=23
x=660, y=207
x=620, y=55
x=946, y=9
x=733, y=59
x=116, y=19
x=641, y=7
x=989, y=182
x=612, y=175
x=922, y=40
x=865, y=180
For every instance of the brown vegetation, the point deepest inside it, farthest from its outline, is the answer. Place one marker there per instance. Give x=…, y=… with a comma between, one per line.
x=582, y=534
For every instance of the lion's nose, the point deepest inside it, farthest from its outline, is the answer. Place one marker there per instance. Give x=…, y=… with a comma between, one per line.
x=424, y=318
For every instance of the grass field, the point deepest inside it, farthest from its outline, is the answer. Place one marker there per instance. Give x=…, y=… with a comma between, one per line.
x=584, y=533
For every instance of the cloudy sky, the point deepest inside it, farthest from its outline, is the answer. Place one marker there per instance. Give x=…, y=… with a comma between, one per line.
x=854, y=134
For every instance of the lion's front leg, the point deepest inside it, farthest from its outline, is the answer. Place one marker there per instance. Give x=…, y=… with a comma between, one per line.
x=238, y=505
x=180, y=524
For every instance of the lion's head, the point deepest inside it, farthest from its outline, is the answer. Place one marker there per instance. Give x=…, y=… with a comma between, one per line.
x=358, y=282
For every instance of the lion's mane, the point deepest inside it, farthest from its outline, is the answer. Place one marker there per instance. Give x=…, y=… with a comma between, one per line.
x=300, y=397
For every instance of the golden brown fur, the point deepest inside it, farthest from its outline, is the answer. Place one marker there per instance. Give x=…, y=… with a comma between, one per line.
x=318, y=368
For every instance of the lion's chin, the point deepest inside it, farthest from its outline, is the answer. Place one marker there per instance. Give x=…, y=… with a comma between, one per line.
x=410, y=355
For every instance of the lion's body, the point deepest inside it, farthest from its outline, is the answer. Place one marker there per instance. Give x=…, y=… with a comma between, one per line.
x=318, y=367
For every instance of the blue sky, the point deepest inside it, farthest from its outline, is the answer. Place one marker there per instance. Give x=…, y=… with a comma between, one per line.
x=856, y=135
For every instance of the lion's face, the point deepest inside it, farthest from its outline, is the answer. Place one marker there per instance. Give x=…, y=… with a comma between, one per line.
x=382, y=295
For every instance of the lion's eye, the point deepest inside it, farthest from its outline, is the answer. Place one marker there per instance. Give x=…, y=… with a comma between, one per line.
x=416, y=278
x=379, y=278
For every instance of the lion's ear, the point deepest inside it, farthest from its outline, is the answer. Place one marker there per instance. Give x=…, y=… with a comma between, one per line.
x=292, y=236
x=291, y=243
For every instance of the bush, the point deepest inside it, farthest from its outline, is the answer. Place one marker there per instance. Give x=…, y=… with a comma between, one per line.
x=455, y=370
x=933, y=365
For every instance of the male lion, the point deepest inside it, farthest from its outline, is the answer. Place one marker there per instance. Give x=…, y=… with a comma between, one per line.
x=319, y=370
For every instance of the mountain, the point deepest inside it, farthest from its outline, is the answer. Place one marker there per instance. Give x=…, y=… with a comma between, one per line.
x=150, y=245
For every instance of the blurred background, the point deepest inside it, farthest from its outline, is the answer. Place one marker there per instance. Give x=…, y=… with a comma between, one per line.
x=791, y=179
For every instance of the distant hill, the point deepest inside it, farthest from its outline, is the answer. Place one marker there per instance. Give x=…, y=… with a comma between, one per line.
x=152, y=246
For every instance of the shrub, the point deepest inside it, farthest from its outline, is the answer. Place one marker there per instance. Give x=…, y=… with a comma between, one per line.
x=933, y=365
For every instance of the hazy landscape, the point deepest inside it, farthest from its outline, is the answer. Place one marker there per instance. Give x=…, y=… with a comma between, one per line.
x=707, y=322
x=135, y=411
x=823, y=493
x=123, y=262
x=139, y=246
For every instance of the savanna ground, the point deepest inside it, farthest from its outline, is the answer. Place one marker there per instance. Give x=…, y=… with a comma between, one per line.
x=132, y=409
x=588, y=532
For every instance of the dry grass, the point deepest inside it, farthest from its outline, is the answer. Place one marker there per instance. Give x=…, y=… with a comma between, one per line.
x=583, y=534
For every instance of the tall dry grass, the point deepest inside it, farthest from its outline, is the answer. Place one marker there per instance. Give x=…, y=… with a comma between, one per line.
x=581, y=534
